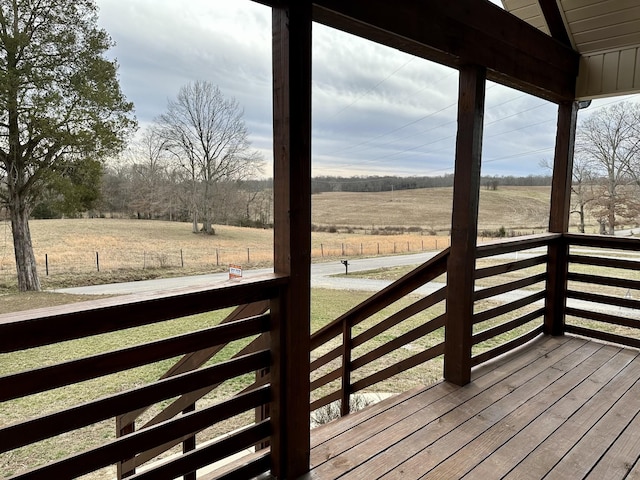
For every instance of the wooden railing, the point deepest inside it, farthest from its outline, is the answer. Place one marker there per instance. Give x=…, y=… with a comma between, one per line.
x=336, y=356
x=186, y=382
x=126, y=424
x=510, y=311
x=603, y=288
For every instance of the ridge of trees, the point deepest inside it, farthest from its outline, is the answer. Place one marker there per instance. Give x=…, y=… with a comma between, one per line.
x=153, y=190
x=374, y=183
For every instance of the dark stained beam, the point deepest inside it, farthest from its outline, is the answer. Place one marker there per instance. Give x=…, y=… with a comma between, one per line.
x=552, y=16
x=563, y=167
x=557, y=264
x=464, y=226
x=290, y=334
x=462, y=32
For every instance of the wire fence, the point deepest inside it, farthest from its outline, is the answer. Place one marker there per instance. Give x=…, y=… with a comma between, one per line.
x=109, y=260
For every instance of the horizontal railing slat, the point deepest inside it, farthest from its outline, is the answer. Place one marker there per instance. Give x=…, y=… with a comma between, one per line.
x=503, y=268
x=396, y=318
x=399, y=342
x=201, y=457
x=80, y=416
x=259, y=464
x=40, y=327
x=327, y=357
x=327, y=378
x=509, y=287
x=605, y=262
x=603, y=317
x=604, y=299
x=507, y=346
x=145, y=439
x=602, y=241
x=508, y=307
x=326, y=400
x=522, y=243
x=75, y=371
x=605, y=281
x=604, y=336
x=506, y=327
x=399, y=367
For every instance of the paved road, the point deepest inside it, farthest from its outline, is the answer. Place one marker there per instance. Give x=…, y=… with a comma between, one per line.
x=321, y=277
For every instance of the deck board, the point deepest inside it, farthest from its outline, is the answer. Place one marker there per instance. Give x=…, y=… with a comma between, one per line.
x=545, y=409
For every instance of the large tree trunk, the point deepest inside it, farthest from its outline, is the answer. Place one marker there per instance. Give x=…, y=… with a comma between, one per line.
x=207, y=223
x=25, y=259
x=194, y=221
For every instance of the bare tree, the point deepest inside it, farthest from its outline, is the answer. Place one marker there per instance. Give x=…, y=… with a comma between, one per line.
x=206, y=133
x=609, y=142
x=148, y=169
x=581, y=187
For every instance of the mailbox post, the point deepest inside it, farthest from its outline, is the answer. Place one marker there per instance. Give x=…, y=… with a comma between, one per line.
x=346, y=266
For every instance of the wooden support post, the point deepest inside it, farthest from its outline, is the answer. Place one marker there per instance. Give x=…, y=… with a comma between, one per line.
x=345, y=401
x=557, y=264
x=464, y=226
x=290, y=443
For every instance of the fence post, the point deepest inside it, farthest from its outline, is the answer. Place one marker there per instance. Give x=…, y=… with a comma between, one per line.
x=46, y=263
x=378, y=248
x=181, y=259
x=343, y=249
x=321, y=250
x=408, y=249
x=361, y=250
x=248, y=256
x=144, y=260
x=97, y=261
x=394, y=247
x=423, y=245
x=217, y=257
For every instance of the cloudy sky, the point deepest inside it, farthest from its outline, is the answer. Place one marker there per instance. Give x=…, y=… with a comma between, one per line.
x=376, y=111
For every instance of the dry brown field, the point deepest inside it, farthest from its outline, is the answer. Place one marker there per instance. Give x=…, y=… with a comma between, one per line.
x=517, y=208
x=348, y=224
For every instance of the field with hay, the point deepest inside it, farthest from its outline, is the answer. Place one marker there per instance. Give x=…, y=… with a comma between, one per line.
x=515, y=208
x=100, y=250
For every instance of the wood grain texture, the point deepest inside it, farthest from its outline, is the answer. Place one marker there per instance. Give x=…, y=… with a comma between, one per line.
x=464, y=225
x=290, y=334
x=561, y=405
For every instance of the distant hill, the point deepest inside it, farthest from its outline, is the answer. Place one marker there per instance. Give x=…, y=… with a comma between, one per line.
x=523, y=209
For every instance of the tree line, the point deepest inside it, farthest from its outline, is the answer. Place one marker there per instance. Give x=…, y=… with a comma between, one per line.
x=374, y=183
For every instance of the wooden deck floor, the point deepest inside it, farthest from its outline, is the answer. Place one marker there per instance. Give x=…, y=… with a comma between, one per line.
x=560, y=408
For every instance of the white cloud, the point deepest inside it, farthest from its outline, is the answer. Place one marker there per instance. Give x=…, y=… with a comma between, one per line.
x=375, y=110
